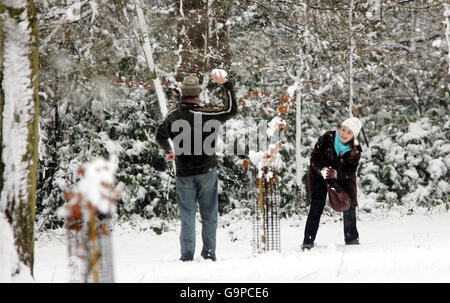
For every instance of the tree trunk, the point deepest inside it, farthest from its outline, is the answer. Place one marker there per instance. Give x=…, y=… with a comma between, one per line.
x=218, y=48
x=147, y=48
x=19, y=127
x=352, y=50
x=2, y=95
x=447, y=31
x=192, y=25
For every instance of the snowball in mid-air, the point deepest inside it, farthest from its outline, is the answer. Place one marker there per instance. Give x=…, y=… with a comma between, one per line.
x=219, y=73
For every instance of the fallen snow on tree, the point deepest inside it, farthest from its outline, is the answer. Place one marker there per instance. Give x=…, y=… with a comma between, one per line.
x=18, y=108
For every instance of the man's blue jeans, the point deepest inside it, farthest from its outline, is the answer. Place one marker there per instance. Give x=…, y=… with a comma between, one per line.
x=190, y=190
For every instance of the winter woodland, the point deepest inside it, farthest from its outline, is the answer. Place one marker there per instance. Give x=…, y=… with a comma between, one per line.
x=83, y=80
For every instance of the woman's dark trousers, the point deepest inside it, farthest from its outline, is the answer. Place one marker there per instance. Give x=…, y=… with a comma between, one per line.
x=318, y=200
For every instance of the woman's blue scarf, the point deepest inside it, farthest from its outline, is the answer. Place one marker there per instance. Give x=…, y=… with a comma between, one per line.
x=339, y=146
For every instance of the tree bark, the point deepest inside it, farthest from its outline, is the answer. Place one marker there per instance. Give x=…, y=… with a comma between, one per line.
x=19, y=127
x=192, y=33
x=218, y=48
x=2, y=95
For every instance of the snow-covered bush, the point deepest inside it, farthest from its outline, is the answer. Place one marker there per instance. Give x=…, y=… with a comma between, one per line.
x=407, y=163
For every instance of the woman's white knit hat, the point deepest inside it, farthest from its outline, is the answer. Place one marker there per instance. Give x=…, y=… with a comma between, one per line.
x=355, y=125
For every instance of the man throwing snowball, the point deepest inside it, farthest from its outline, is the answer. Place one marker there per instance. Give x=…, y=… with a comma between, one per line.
x=193, y=130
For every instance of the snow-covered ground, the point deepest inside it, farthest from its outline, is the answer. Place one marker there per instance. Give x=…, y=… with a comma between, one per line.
x=394, y=248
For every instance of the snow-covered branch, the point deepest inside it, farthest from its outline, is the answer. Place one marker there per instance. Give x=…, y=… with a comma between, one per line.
x=447, y=31
x=69, y=14
x=146, y=47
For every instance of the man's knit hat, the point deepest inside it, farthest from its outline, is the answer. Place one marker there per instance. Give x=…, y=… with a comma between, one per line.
x=190, y=87
x=355, y=125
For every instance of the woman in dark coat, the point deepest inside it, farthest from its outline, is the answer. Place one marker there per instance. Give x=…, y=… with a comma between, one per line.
x=335, y=158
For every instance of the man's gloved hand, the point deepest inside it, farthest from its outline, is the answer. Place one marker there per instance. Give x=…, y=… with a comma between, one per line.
x=328, y=173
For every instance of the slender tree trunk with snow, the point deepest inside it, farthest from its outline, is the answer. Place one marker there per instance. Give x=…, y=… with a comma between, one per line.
x=146, y=46
x=2, y=94
x=352, y=49
x=19, y=123
x=447, y=31
x=298, y=136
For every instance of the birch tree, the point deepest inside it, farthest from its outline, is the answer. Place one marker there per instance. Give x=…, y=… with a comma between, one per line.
x=447, y=31
x=148, y=54
x=2, y=95
x=352, y=49
x=19, y=123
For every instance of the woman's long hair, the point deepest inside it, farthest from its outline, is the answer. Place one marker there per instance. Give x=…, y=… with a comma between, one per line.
x=352, y=146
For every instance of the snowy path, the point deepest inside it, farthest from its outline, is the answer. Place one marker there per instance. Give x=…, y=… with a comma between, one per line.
x=395, y=249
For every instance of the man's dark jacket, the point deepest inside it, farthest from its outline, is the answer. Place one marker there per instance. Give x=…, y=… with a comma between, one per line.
x=196, y=161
